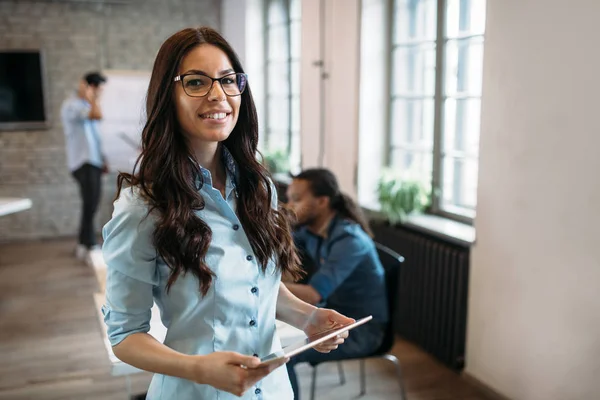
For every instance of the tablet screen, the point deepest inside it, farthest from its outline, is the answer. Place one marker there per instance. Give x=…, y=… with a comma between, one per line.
x=312, y=341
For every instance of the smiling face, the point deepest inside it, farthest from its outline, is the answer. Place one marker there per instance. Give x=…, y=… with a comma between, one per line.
x=210, y=118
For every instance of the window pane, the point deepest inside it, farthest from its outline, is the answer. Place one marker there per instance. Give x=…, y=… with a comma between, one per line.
x=462, y=120
x=279, y=113
x=295, y=9
x=464, y=66
x=415, y=20
x=465, y=17
x=459, y=183
x=278, y=140
x=278, y=79
x=413, y=164
x=295, y=41
x=278, y=43
x=283, y=76
x=277, y=12
x=414, y=70
x=412, y=123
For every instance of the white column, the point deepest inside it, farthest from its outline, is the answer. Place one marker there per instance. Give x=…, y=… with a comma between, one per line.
x=534, y=309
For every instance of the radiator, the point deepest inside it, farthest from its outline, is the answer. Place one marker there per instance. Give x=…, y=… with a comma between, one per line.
x=433, y=289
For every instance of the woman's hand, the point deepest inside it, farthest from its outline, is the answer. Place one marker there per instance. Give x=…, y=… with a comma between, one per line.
x=229, y=371
x=323, y=319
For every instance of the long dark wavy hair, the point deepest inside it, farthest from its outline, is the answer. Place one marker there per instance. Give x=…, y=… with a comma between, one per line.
x=322, y=182
x=166, y=175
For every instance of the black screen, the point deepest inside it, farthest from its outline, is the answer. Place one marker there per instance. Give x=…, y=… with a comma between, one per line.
x=21, y=92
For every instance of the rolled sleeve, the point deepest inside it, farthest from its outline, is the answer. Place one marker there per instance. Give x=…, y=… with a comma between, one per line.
x=344, y=256
x=131, y=268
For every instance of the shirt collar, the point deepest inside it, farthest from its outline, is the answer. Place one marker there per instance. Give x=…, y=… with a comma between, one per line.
x=229, y=161
x=328, y=226
x=230, y=167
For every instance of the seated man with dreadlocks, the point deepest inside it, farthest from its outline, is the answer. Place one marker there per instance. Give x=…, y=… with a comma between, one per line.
x=348, y=276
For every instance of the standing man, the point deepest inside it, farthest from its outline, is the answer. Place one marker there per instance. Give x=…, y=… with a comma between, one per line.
x=80, y=115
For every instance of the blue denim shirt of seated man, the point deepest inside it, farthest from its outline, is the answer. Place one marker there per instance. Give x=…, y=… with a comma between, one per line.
x=349, y=276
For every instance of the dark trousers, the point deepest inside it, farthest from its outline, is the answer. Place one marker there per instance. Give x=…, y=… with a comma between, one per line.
x=89, y=179
x=361, y=342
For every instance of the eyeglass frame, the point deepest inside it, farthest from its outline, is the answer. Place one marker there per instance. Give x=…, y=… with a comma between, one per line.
x=180, y=79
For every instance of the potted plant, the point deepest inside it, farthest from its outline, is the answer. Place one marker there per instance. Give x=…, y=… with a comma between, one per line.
x=276, y=161
x=400, y=196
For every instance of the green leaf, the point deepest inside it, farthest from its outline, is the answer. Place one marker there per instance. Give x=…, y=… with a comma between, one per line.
x=400, y=197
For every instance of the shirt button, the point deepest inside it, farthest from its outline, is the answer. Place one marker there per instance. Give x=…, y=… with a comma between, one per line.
x=257, y=391
x=249, y=258
x=252, y=322
x=254, y=289
x=236, y=227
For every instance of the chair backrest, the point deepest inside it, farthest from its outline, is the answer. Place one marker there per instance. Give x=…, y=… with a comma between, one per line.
x=391, y=262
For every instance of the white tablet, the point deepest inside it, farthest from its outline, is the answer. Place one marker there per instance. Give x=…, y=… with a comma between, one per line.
x=311, y=342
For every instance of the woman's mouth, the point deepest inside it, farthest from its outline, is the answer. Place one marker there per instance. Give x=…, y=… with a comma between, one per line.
x=214, y=116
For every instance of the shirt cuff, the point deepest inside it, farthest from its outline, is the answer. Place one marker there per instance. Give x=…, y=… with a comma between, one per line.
x=120, y=325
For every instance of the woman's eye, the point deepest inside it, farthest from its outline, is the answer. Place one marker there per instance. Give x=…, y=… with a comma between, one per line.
x=228, y=81
x=195, y=82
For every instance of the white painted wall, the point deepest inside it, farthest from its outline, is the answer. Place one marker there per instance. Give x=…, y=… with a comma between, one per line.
x=233, y=25
x=310, y=81
x=341, y=63
x=534, y=308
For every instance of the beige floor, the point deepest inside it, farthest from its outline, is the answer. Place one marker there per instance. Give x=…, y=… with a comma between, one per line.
x=51, y=345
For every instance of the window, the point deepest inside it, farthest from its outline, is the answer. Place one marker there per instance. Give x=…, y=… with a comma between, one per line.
x=282, y=80
x=436, y=74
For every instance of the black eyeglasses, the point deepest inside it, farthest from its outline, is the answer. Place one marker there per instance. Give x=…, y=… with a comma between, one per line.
x=197, y=85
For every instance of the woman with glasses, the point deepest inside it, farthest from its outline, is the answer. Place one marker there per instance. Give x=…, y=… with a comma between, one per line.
x=197, y=230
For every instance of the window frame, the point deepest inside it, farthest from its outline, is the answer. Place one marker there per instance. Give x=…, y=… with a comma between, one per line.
x=288, y=23
x=450, y=211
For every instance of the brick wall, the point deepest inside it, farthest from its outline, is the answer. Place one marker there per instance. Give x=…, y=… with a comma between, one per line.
x=76, y=37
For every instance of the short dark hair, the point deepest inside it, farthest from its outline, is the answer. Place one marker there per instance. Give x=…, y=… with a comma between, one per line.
x=94, y=78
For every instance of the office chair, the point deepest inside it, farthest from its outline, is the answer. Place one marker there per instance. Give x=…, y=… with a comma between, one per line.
x=391, y=262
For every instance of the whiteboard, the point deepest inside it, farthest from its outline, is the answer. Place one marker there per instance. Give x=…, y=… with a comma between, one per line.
x=123, y=104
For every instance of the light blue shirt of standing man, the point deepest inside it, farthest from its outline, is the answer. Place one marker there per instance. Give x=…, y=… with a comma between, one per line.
x=82, y=135
x=237, y=314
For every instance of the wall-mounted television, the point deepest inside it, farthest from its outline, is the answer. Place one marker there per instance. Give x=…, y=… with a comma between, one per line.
x=22, y=102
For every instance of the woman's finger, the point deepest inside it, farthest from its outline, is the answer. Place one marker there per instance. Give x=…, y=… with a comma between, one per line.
x=340, y=319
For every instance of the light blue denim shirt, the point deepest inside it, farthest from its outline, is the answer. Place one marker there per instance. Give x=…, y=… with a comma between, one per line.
x=237, y=314
x=82, y=136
